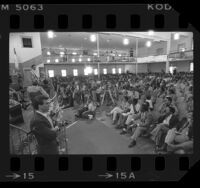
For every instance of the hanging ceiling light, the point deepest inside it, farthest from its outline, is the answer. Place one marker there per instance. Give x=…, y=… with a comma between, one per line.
x=48, y=61
x=151, y=33
x=50, y=34
x=93, y=38
x=48, y=53
x=176, y=36
x=80, y=60
x=148, y=43
x=56, y=60
x=89, y=59
x=73, y=60
x=125, y=41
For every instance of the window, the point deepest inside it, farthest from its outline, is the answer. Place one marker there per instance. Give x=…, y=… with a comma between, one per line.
x=119, y=70
x=85, y=72
x=63, y=73
x=88, y=70
x=27, y=42
x=51, y=73
x=95, y=72
x=75, y=72
x=191, y=67
x=113, y=71
x=104, y=71
x=159, y=51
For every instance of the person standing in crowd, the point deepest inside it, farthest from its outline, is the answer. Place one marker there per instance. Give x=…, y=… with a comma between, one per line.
x=34, y=74
x=42, y=127
x=35, y=90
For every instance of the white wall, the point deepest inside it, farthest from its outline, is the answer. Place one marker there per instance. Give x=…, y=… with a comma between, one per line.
x=145, y=51
x=24, y=54
x=187, y=40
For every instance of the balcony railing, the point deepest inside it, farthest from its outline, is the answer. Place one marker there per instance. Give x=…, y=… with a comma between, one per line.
x=185, y=55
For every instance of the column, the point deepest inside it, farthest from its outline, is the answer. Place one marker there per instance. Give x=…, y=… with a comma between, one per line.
x=136, y=56
x=98, y=55
x=168, y=52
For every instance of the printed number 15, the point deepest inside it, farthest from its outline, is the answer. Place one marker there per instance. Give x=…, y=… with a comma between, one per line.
x=29, y=176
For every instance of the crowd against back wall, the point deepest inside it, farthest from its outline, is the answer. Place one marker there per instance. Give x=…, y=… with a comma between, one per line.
x=158, y=106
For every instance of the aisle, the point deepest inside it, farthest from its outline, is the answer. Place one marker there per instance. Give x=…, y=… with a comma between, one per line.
x=93, y=137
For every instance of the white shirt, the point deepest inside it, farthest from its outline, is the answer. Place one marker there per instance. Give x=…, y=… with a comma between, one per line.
x=47, y=117
x=166, y=121
x=35, y=72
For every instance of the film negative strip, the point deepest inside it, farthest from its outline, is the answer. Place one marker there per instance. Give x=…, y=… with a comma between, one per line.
x=93, y=149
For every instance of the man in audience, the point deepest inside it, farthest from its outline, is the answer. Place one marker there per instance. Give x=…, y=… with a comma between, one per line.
x=142, y=124
x=169, y=121
x=42, y=127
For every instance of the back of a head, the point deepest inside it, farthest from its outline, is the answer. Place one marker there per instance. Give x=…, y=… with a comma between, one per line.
x=172, y=109
x=145, y=106
x=38, y=100
x=34, y=83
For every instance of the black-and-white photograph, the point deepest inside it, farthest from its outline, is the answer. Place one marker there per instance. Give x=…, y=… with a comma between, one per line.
x=101, y=93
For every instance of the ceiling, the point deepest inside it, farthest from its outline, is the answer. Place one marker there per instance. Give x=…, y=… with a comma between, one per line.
x=107, y=40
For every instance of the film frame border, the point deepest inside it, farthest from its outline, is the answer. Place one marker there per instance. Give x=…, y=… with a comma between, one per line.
x=111, y=23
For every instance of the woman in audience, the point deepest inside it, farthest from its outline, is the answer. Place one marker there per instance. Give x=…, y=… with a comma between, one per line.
x=123, y=105
x=180, y=139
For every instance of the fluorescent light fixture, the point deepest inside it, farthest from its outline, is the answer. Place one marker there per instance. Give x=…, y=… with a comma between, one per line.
x=73, y=60
x=176, y=36
x=93, y=38
x=74, y=53
x=125, y=41
x=51, y=73
x=94, y=53
x=56, y=60
x=50, y=34
x=148, y=43
x=62, y=53
x=48, y=60
x=63, y=73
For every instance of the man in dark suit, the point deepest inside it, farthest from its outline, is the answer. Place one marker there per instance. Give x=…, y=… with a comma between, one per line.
x=43, y=128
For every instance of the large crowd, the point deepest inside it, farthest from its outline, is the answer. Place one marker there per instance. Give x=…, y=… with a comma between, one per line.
x=157, y=106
